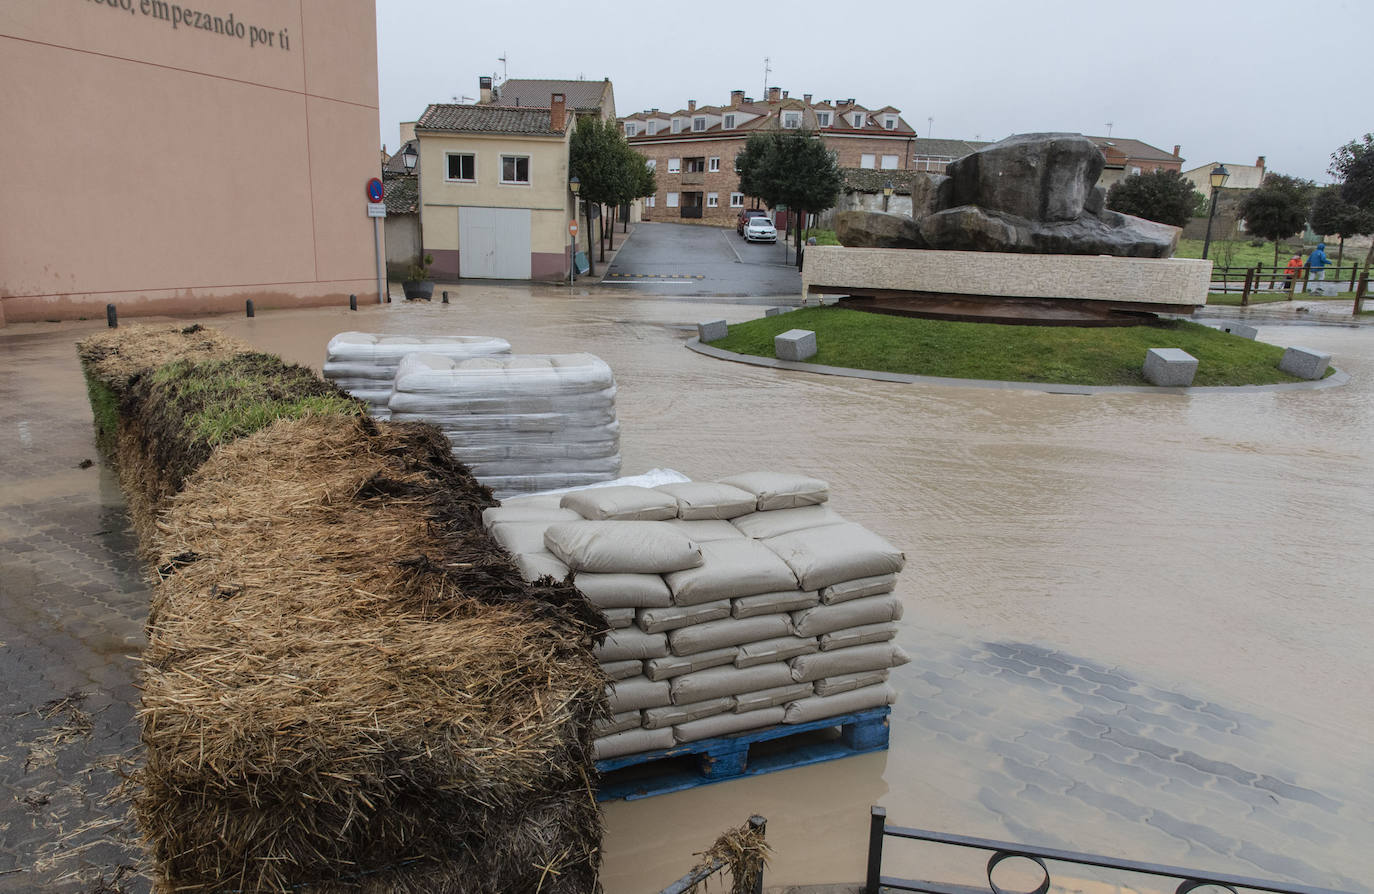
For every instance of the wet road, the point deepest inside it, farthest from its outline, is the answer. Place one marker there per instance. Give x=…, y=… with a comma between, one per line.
x=682, y=260
x=1139, y=624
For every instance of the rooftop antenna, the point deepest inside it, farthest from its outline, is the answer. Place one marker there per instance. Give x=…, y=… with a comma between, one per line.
x=930, y=128
x=1110, y=125
x=766, y=72
x=502, y=60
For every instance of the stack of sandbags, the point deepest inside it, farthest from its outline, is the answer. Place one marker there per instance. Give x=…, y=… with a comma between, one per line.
x=364, y=363
x=734, y=606
x=521, y=423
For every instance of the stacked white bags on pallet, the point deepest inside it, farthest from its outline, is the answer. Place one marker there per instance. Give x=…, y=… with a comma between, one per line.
x=736, y=605
x=521, y=423
x=364, y=363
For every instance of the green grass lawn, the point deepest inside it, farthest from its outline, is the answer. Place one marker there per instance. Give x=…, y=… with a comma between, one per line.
x=1063, y=354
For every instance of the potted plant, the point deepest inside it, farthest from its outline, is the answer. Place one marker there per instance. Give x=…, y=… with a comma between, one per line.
x=417, y=284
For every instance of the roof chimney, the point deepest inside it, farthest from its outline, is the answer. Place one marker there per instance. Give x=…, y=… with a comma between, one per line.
x=784, y=94
x=484, y=89
x=558, y=111
x=774, y=93
x=691, y=105
x=806, y=98
x=1176, y=148
x=1259, y=162
x=407, y=131
x=736, y=97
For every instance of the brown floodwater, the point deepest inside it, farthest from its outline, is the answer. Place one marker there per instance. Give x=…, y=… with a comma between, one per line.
x=1212, y=549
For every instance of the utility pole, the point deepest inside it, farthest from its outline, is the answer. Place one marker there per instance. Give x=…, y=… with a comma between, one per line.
x=1110, y=125
x=766, y=72
x=930, y=128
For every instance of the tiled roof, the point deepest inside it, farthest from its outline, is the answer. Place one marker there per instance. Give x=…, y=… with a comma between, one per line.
x=402, y=193
x=535, y=92
x=395, y=164
x=1135, y=149
x=928, y=148
x=487, y=119
x=768, y=119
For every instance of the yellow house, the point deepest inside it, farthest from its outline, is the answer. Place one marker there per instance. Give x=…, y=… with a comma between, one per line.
x=495, y=202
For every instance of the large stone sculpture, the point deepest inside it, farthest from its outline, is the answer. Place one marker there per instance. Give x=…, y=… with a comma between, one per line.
x=1030, y=193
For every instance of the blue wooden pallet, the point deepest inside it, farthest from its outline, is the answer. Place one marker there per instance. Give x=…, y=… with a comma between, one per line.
x=727, y=757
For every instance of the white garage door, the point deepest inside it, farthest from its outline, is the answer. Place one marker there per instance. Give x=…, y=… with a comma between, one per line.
x=494, y=243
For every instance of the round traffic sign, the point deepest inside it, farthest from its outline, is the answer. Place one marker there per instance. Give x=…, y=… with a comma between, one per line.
x=572, y=228
x=375, y=192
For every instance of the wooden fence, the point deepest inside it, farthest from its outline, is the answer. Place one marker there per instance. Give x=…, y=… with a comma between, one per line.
x=1261, y=279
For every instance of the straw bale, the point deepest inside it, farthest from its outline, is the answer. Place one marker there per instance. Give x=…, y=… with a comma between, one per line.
x=116, y=356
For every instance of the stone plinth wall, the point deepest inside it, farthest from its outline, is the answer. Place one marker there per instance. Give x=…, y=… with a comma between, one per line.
x=832, y=269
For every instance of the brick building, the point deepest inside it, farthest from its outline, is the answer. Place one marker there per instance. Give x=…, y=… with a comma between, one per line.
x=693, y=150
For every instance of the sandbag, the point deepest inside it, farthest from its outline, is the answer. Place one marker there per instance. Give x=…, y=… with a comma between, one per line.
x=856, y=612
x=721, y=681
x=824, y=556
x=381, y=350
x=709, y=500
x=519, y=511
x=514, y=374
x=671, y=666
x=762, y=525
x=631, y=643
x=657, y=718
x=623, y=590
x=621, y=503
x=729, y=632
x=620, y=618
x=778, y=649
x=637, y=692
x=632, y=742
x=880, y=656
x=767, y=698
x=772, y=603
x=470, y=400
x=520, y=537
x=503, y=486
x=658, y=620
x=780, y=490
x=726, y=724
x=819, y=708
x=848, y=682
x=623, y=670
x=706, y=530
x=857, y=589
x=542, y=564
x=612, y=547
x=730, y=568
x=617, y=724
x=858, y=636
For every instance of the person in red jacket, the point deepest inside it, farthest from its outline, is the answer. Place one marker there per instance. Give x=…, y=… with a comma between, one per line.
x=1293, y=269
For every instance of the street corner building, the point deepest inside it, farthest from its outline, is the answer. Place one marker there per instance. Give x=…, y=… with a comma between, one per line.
x=168, y=158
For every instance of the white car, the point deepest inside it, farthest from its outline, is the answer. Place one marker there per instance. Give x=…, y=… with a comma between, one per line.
x=760, y=229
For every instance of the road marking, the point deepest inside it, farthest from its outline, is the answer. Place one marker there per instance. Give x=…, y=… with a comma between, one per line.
x=656, y=275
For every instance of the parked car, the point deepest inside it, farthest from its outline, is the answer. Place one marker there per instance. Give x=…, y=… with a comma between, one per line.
x=745, y=216
x=760, y=229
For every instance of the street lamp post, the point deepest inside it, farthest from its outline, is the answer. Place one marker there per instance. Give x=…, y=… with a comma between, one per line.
x=575, y=185
x=409, y=157
x=1218, y=180
x=887, y=194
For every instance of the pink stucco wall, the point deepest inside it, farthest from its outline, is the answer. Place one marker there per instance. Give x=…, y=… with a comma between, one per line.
x=167, y=168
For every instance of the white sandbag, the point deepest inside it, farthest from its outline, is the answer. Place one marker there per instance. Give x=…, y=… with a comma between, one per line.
x=658, y=718
x=631, y=642
x=617, y=724
x=880, y=656
x=484, y=469
x=780, y=490
x=856, y=612
x=525, y=511
x=623, y=590
x=462, y=402
x=761, y=525
x=730, y=568
x=542, y=564
x=622, y=503
x=777, y=649
x=716, y=682
x=729, y=632
x=710, y=500
x=622, y=670
x=858, y=636
x=620, y=618
x=611, y=547
x=385, y=349
x=826, y=686
x=772, y=603
x=726, y=724
x=651, y=478
x=659, y=620
x=519, y=452
x=818, y=708
x=520, y=537
x=858, y=588
x=670, y=666
x=706, y=530
x=546, y=374
x=632, y=742
x=465, y=429
x=824, y=556
x=503, y=486
x=768, y=698
x=637, y=692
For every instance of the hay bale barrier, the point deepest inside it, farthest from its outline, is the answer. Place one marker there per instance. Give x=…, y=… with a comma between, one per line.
x=348, y=685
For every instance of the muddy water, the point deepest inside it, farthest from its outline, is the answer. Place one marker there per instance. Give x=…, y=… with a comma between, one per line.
x=1214, y=552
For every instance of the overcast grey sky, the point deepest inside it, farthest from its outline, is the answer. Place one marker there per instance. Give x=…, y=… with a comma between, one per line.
x=1228, y=80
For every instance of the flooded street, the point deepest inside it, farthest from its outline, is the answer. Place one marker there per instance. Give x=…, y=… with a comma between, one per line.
x=1139, y=624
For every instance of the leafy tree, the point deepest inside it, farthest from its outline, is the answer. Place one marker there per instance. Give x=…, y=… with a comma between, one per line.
x=793, y=169
x=1162, y=196
x=1353, y=165
x=1331, y=213
x=640, y=177
x=597, y=158
x=1278, y=209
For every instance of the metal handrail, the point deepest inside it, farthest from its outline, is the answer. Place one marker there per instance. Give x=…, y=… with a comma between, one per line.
x=1189, y=879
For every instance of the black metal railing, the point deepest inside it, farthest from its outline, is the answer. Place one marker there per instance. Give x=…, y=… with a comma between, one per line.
x=1188, y=879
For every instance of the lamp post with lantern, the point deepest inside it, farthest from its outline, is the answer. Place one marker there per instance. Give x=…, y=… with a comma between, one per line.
x=887, y=194
x=1218, y=180
x=410, y=157
x=575, y=186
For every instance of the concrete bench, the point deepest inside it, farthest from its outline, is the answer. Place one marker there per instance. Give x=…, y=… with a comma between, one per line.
x=712, y=330
x=795, y=344
x=1169, y=367
x=1305, y=363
